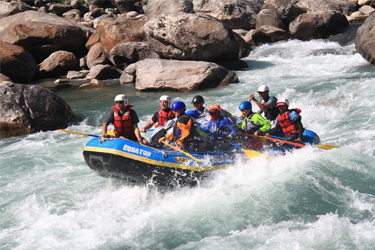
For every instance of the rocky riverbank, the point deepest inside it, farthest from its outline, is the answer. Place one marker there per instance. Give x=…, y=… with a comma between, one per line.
x=154, y=44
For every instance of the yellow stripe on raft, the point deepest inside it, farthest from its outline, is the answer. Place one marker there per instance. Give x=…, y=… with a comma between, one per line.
x=153, y=162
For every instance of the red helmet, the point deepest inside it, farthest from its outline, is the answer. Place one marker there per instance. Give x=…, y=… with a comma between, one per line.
x=214, y=107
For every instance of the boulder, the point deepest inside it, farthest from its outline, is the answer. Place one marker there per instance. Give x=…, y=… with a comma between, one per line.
x=236, y=14
x=26, y=109
x=357, y=17
x=192, y=37
x=155, y=8
x=42, y=34
x=8, y=8
x=58, y=63
x=364, y=39
x=161, y=74
x=94, y=83
x=95, y=13
x=17, y=63
x=4, y=78
x=103, y=72
x=344, y=6
x=286, y=10
x=98, y=3
x=73, y=15
x=266, y=34
x=127, y=53
x=114, y=32
x=367, y=10
x=96, y=56
x=59, y=9
x=77, y=74
x=317, y=25
x=124, y=6
x=269, y=17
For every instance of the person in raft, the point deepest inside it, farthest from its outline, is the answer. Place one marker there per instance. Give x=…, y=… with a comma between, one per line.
x=267, y=105
x=219, y=128
x=199, y=109
x=201, y=115
x=253, y=123
x=183, y=135
x=125, y=121
x=164, y=114
x=289, y=121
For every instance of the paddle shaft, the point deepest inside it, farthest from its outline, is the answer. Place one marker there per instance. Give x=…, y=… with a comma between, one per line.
x=284, y=140
x=77, y=133
x=179, y=150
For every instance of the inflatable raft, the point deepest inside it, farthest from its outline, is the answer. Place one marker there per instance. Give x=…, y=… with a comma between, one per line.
x=125, y=159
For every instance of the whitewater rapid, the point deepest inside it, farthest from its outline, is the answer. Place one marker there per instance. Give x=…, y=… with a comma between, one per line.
x=308, y=199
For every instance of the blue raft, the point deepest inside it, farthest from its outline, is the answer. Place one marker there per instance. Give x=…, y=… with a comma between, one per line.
x=125, y=159
x=129, y=160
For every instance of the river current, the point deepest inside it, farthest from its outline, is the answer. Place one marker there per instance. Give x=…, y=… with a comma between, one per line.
x=307, y=199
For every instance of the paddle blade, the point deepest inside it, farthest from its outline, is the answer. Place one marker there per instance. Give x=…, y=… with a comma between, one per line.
x=326, y=147
x=180, y=150
x=252, y=153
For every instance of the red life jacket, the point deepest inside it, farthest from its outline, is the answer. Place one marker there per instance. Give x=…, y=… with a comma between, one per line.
x=286, y=124
x=164, y=117
x=123, y=124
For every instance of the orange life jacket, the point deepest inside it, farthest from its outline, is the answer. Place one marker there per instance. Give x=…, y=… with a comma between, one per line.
x=164, y=117
x=286, y=124
x=123, y=124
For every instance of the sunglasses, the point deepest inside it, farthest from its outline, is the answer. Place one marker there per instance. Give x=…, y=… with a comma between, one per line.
x=120, y=102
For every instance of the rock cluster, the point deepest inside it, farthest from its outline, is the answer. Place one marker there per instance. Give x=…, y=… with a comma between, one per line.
x=48, y=38
x=182, y=45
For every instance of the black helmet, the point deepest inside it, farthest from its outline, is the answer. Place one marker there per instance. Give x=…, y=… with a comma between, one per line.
x=198, y=99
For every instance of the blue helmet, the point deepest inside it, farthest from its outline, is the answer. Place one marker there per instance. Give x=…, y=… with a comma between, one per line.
x=245, y=105
x=178, y=105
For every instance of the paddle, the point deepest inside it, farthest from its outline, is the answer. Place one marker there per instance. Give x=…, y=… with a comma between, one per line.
x=249, y=153
x=326, y=147
x=78, y=133
x=179, y=150
x=284, y=140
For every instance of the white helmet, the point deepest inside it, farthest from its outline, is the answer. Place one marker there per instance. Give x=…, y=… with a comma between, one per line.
x=282, y=101
x=263, y=88
x=165, y=98
x=122, y=98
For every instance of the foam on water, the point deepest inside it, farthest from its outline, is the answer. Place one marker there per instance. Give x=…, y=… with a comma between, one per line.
x=307, y=199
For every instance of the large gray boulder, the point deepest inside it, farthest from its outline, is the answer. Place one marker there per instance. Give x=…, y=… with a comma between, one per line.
x=112, y=32
x=286, y=10
x=192, y=37
x=96, y=56
x=16, y=63
x=12, y=7
x=127, y=53
x=317, y=25
x=103, y=72
x=236, y=14
x=42, y=34
x=344, y=6
x=155, y=8
x=269, y=17
x=161, y=74
x=58, y=63
x=26, y=109
x=364, y=39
